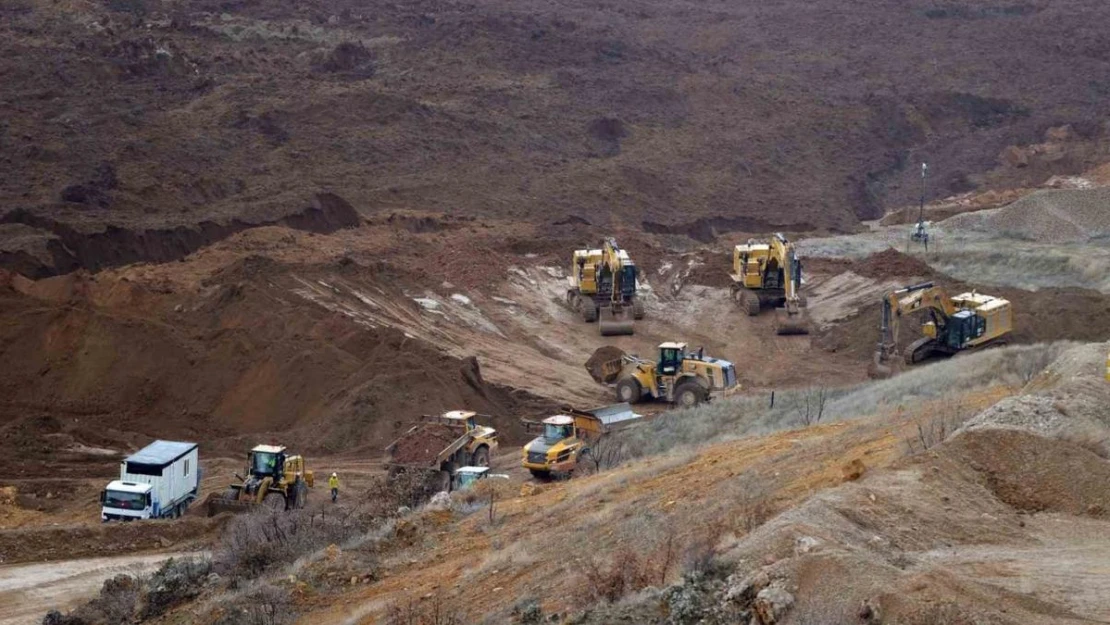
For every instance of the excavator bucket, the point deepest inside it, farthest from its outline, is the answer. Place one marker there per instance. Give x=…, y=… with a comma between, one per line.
x=615, y=322
x=787, y=323
x=879, y=369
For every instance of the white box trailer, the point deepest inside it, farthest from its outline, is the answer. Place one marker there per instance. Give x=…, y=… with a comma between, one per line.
x=159, y=481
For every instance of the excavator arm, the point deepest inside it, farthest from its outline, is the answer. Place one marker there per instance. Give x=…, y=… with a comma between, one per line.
x=790, y=319
x=906, y=301
x=616, y=318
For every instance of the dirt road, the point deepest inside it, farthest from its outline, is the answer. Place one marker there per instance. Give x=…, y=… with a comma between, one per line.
x=29, y=591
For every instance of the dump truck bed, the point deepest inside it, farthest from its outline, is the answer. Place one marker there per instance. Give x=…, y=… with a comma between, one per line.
x=426, y=445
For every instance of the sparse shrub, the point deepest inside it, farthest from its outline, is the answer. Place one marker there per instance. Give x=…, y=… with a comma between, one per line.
x=435, y=612
x=809, y=405
x=528, y=612
x=934, y=428
x=266, y=605
x=177, y=580
x=253, y=543
x=607, y=453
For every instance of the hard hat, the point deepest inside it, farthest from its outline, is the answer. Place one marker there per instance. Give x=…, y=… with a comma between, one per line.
x=334, y=475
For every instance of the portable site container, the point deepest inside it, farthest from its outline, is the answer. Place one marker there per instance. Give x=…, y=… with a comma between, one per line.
x=158, y=481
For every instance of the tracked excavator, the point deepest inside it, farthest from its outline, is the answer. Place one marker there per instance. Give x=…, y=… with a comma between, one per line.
x=602, y=288
x=770, y=274
x=955, y=324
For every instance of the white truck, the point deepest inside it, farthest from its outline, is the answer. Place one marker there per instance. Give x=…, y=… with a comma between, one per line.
x=159, y=481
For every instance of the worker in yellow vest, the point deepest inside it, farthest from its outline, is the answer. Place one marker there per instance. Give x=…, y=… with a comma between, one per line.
x=333, y=484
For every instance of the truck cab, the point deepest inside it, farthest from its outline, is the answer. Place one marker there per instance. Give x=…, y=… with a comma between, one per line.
x=126, y=501
x=467, y=477
x=557, y=449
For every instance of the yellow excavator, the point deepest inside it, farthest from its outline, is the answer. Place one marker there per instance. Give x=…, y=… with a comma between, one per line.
x=955, y=324
x=602, y=287
x=770, y=273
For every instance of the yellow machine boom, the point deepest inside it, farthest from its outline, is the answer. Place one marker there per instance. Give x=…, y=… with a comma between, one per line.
x=602, y=287
x=770, y=273
x=955, y=324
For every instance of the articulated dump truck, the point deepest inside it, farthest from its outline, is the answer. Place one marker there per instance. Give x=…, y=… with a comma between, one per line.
x=440, y=445
x=570, y=437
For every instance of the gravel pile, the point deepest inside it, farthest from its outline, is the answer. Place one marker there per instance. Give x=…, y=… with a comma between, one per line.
x=1049, y=216
x=1067, y=400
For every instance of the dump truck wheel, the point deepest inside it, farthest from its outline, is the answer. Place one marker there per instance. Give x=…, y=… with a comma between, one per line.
x=274, y=501
x=629, y=390
x=688, y=395
x=480, y=457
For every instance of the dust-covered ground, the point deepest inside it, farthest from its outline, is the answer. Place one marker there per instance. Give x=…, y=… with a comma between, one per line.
x=142, y=130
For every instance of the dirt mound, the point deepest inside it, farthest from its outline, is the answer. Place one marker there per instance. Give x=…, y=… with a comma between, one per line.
x=1036, y=474
x=1049, y=216
x=228, y=366
x=1044, y=315
x=422, y=445
x=541, y=108
x=890, y=263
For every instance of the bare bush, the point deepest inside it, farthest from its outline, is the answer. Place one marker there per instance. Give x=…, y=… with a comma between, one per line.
x=809, y=405
x=253, y=543
x=266, y=605
x=176, y=581
x=434, y=612
x=607, y=453
x=401, y=488
x=934, y=428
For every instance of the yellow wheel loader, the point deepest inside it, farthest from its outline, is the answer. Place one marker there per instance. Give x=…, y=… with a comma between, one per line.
x=571, y=437
x=273, y=479
x=679, y=376
x=770, y=274
x=954, y=324
x=602, y=287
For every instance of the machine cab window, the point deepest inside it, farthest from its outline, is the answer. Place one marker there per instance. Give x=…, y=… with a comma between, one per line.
x=266, y=463
x=553, y=432
x=670, y=358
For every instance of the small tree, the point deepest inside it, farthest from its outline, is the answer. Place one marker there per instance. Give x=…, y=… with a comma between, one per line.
x=809, y=405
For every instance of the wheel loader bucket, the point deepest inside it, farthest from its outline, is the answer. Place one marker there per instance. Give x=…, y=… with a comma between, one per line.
x=606, y=364
x=787, y=323
x=217, y=503
x=613, y=323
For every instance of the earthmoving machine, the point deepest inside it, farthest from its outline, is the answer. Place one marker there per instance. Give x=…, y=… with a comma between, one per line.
x=602, y=287
x=467, y=477
x=571, y=437
x=955, y=324
x=770, y=273
x=440, y=444
x=274, y=479
x=682, y=377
